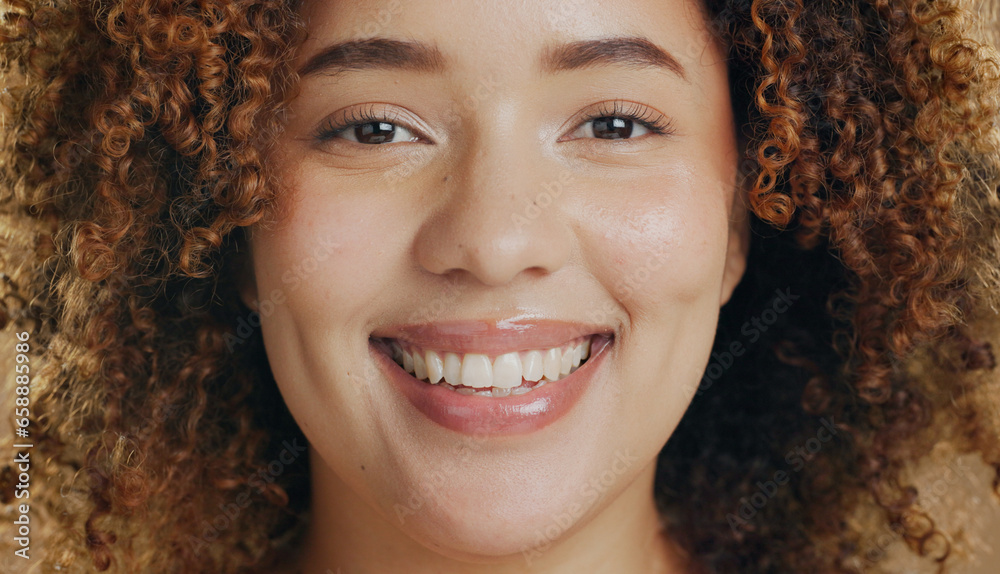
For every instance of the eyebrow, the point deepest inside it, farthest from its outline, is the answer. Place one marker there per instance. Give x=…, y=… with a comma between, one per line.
x=374, y=53
x=385, y=53
x=630, y=51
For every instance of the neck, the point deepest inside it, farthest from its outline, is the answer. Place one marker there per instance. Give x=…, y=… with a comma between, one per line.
x=346, y=535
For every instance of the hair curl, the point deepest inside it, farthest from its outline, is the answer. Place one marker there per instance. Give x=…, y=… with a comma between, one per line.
x=873, y=165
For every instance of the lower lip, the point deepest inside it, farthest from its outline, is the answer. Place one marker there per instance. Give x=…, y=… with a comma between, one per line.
x=511, y=415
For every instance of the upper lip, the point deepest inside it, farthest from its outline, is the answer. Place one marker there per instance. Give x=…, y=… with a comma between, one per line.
x=491, y=337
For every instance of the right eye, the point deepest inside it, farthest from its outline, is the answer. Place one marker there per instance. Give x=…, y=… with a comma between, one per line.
x=371, y=133
x=611, y=128
x=370, y=125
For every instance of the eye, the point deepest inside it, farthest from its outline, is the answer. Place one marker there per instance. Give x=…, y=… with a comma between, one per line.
x=610, y=128
x=621, y=120
x=371, y=125
x=376, y=133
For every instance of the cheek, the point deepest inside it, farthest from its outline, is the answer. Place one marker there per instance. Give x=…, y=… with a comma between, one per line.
x=662, y=255
x=332, y=254
x=328, y=260
x=661, y=244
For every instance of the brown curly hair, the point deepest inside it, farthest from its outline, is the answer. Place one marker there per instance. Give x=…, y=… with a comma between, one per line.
x=134, y=156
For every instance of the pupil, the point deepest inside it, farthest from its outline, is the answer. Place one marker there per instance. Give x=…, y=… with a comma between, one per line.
x=374, y=132
x=612, y=128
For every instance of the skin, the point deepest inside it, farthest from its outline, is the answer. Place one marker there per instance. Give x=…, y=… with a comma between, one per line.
x=401, y=227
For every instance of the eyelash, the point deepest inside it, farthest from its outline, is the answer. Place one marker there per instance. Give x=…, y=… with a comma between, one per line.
x=355, y=116
x=643, y=115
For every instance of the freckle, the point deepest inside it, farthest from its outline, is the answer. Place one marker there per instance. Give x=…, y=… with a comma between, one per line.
x=362, y=467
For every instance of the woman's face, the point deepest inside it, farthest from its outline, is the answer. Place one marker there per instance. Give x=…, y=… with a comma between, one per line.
x=487, y=179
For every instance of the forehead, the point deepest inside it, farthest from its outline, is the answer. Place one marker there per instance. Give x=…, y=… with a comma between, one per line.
x=480, y=35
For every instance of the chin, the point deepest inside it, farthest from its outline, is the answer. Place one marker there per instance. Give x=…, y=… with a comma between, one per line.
x=494, y=532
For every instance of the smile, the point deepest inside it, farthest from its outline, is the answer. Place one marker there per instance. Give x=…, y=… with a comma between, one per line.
x=512, y=373
x=478, y=378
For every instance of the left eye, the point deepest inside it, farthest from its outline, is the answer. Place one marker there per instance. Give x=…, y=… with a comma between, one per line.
x=610, y=128
x=376, y=133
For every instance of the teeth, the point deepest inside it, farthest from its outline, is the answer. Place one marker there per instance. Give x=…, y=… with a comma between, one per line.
x=531, y=366
x=506, y=371
x=553, y=358
x=564, y=365
x=420, y=368
x=453, y=368
x=476, y=373
x=435, y=367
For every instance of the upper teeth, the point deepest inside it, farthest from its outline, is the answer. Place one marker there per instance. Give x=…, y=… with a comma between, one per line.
x=482, y=371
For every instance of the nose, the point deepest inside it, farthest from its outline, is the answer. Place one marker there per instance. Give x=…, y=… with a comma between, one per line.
x=500, y=214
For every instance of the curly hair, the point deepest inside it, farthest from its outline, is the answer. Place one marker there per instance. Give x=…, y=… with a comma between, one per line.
x=126, y=186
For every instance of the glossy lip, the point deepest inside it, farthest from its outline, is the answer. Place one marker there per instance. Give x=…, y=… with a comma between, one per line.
x=497, y=416
x=489, y=337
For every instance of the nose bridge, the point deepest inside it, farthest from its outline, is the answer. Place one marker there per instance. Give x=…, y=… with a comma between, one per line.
x=499, y=214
